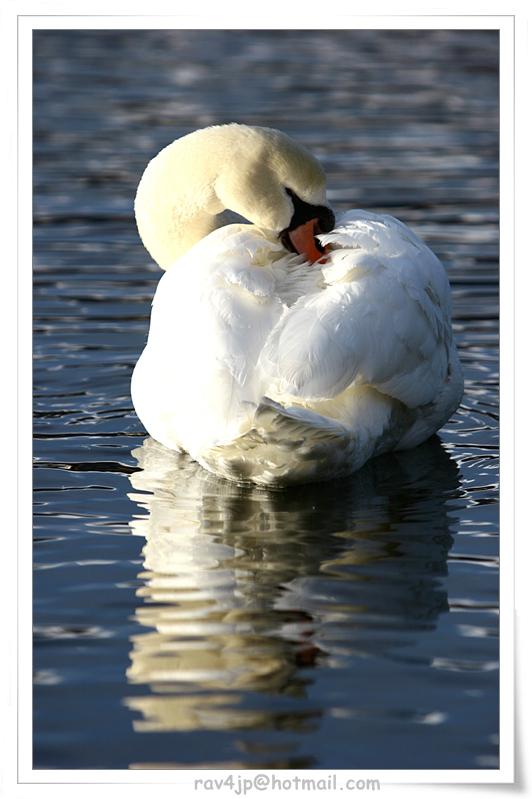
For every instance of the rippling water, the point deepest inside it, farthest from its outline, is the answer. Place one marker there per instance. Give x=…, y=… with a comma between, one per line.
x=184, y=621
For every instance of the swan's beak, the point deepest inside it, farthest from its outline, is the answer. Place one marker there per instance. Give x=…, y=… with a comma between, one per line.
x=307, y=222
x=304, y=242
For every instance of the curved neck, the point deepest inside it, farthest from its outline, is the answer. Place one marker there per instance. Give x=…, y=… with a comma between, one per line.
x=187, y=188
x=176, y=204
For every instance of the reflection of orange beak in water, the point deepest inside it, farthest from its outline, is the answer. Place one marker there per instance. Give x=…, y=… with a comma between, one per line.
x=304, y=241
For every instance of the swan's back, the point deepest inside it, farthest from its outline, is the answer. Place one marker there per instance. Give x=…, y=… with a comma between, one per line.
x=269, y=369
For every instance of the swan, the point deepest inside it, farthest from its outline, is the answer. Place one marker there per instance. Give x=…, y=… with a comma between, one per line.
x=291, y=347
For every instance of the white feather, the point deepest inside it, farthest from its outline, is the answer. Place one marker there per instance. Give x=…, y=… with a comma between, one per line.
x=362, y=345
x=265, y=367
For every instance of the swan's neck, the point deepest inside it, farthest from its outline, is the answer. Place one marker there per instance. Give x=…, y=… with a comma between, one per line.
x=172, y=231
x=176, y=204
x=188, y=186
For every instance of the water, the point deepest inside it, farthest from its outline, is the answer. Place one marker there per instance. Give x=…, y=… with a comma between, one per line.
x=183, y=621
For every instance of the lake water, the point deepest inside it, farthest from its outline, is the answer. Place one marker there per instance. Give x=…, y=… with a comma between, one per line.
x=181, y=621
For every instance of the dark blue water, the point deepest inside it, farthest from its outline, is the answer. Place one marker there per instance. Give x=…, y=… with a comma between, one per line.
x=183, y=621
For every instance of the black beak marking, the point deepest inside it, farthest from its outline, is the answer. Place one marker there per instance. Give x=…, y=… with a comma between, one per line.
x=303, y=212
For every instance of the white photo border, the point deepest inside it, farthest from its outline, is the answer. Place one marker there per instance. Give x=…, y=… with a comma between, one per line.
x=20, y=748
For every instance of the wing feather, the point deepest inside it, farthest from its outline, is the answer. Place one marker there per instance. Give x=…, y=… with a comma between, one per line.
x=381, y=320
x=212, y=313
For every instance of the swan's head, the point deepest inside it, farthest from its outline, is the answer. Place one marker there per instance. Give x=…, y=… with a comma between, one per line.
x=259, y=173
x=277, y=185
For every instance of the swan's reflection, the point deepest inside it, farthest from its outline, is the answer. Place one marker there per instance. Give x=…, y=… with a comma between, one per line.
x=244, y=590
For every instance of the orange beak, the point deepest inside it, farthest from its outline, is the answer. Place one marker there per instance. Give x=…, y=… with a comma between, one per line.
x=303, y=240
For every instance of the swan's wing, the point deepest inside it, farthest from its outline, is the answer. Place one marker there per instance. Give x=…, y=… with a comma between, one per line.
x=383, y=319
x=212, y=313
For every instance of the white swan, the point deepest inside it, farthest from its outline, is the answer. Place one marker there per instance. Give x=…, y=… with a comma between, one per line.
x=273, y=366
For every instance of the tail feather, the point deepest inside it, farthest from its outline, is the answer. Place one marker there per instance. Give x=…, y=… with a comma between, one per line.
x=283, y=446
